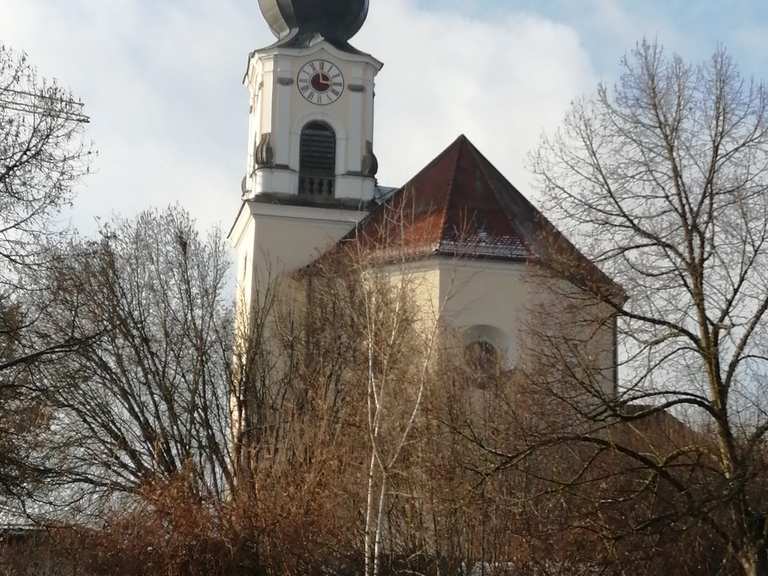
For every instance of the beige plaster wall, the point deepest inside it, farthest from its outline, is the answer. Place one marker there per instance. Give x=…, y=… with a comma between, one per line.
x=510, y=304
x=285, y=244
x=273, y=240
x=422, y=280
x=514, y=305
x=486, y=294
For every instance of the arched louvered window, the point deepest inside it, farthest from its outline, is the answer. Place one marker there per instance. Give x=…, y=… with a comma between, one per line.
x=483, y=358
x=317, y=170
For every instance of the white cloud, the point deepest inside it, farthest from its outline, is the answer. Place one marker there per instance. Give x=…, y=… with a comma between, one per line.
x=499, y=82
x=162, y=83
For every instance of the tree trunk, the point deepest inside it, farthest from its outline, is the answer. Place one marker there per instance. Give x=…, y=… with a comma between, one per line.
x=753, y=561
x=379, y=526
x=369, y=511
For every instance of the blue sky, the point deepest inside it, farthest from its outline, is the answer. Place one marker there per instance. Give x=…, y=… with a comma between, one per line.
x=161, y=80
x=692, y=27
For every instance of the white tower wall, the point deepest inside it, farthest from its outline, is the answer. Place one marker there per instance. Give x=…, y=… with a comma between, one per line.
x=279, y=113
x=278, y=230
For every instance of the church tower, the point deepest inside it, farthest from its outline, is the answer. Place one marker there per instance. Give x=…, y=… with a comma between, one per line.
x=311, y=167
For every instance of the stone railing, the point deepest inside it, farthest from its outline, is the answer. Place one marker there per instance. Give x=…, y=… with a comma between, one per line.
x=318, y=188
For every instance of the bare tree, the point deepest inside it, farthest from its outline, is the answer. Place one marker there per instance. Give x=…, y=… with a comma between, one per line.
x=23, y=418
x=662, y=180
x=302, y=459
x=314, y=482
x=42, y=156
x=146, y=397
x=400, y=346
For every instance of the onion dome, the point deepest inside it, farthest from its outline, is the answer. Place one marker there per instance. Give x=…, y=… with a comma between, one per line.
x=299, y=23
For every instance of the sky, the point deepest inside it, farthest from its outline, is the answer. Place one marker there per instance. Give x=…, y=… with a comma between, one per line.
x=161, y=80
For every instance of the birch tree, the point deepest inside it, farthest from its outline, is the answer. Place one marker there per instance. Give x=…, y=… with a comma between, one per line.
x=397, y=381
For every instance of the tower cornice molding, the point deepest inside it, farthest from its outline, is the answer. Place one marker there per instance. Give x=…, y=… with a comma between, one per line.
x=313, y=51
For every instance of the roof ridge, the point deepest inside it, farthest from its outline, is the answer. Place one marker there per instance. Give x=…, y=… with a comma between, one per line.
x=460, y=142
x=483, y=163
x=429, y=165
x=544, y=226
x=522, y=196
x=437, y=198
x=392, y=199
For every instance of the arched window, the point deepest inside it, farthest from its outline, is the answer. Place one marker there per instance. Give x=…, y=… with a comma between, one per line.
x=488, y=351
x=317, y=165
x=483, y=358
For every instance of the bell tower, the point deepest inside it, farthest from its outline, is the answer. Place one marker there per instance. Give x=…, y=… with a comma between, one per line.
x=311, y=168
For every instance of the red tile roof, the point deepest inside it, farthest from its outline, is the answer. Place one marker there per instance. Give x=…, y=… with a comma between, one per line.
x=461, y=205
x=450, y=207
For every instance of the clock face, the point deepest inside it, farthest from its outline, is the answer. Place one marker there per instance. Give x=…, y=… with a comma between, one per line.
x=321, y=82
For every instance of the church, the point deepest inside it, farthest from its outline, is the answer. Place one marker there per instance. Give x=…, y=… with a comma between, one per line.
x=311, y=187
